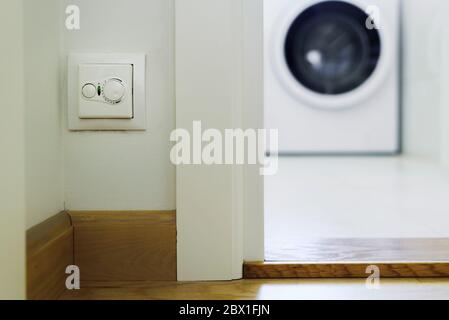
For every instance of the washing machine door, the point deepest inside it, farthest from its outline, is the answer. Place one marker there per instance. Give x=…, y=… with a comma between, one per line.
x=330, y=51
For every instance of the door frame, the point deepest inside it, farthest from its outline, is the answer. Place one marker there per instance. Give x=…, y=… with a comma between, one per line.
x=220, y=69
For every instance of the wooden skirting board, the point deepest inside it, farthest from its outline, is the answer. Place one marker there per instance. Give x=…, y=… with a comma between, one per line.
x=49, y=252
x=108, y=247
x=125, y=246
x=272, y=270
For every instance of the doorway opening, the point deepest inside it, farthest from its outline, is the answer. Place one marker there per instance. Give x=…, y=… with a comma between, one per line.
x=363, y=161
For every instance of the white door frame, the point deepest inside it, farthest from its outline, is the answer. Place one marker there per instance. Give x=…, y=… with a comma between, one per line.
x=253, y=117
x=219, y=82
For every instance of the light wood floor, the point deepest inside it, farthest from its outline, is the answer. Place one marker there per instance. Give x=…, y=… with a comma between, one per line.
x=412, y=289
x=360, y=250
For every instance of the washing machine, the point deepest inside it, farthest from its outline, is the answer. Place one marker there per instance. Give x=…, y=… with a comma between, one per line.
x=331, y=76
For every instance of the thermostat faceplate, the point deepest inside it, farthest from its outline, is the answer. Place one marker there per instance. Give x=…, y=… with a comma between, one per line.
x=106, y=92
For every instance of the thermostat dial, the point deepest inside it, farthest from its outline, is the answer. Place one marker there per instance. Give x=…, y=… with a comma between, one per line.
x=89, y=91
x=113, y=91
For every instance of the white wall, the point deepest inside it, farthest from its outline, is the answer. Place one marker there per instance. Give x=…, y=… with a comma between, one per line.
x=12, y=146
x=131, y=170
x=44, y=171
x=423, y=91
x=445, y=90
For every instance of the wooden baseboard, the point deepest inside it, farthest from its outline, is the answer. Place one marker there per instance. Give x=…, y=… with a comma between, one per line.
x=272, y=270
x=108, y=247
x=49, y=252
x=125, y=246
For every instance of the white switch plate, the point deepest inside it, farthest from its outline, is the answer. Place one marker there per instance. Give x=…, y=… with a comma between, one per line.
x=97, y=107
x=78, y=117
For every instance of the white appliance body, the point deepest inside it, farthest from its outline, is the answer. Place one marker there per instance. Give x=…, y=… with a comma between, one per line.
x=313, y=96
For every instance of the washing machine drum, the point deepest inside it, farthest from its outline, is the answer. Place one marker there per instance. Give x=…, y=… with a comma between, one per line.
x=332, y=47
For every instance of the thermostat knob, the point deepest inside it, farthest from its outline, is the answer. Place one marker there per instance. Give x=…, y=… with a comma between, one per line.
x=113, y=90
x=89, y=91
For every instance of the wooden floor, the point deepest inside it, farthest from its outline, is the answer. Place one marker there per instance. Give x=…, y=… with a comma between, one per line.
x=360, y=250
x=355, y=289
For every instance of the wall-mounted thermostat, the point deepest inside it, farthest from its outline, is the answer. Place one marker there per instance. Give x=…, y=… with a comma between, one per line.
x=107, y=92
